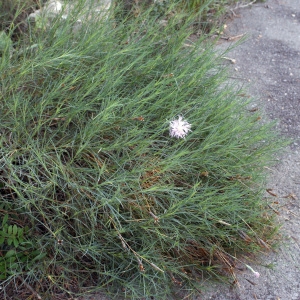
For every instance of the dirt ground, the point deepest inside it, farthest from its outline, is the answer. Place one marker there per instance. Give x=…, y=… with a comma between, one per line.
x=268, y=63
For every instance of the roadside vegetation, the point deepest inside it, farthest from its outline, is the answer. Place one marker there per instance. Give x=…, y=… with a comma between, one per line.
x=129, y=164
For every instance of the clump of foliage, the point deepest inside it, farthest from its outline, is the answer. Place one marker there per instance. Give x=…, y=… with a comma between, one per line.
x=18, y=252
x=89, y=170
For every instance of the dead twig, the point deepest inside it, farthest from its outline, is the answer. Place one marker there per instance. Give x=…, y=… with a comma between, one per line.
x=253, y=283
x=291, y=196
x=232, y=38
x=238, y=6
x=275, y=211
x=271, y=193
x=232, y=60
x=253, y=109
x=234, y=14
x=137, y=256
x=245, y=5
x=30, y=288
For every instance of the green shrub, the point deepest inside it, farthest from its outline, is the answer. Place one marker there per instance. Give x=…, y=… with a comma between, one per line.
x=88, y=163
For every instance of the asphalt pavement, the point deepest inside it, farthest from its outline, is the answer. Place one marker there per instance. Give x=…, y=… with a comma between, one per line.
x=267, y=63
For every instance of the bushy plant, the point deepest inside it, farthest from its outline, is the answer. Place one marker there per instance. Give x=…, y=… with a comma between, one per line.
x=88, y=162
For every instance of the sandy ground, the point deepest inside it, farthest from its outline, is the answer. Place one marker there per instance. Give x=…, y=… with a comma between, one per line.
x=269, y=63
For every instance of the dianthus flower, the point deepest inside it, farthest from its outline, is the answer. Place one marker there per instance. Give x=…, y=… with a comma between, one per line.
x=256, y=274
x=179, y=128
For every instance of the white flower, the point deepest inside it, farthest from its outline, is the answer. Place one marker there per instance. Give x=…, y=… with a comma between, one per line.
x=179, y=128
x=256, y=274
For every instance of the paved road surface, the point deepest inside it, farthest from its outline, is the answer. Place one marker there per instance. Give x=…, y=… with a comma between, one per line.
x=269, y=61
